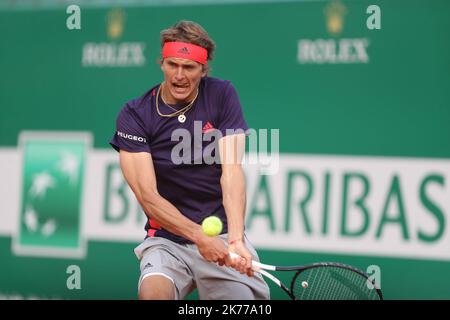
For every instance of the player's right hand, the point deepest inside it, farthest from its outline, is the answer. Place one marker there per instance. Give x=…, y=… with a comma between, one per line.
x=213, y=249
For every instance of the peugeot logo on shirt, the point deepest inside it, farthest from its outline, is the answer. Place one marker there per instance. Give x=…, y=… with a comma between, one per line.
x=131, y=137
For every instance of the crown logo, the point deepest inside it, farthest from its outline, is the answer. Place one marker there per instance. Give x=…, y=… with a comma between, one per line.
x=334, y=12
x=115, y=21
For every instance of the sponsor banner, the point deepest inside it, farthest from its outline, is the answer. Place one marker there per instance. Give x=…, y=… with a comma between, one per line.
x=335, y=50
x=353, y=205
x=332, y=204
x=52, y=178
x=113, y=54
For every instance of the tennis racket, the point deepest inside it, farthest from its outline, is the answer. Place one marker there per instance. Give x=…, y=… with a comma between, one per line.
x=323, y=281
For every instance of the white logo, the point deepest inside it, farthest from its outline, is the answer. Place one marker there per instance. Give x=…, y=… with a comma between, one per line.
x=333, y=51
x=131, y=137
x=128, y=54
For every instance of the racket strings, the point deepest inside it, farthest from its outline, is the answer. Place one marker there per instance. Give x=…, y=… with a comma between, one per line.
x=331, y=283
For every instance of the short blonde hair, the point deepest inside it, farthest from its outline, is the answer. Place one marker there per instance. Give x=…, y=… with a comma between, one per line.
x=190, y=32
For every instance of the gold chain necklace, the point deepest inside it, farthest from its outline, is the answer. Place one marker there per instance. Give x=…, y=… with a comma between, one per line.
x=180, y=113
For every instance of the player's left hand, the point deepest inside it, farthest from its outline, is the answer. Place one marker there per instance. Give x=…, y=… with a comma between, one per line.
x=242, y=264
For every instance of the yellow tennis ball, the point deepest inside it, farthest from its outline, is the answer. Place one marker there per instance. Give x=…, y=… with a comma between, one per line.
x=212, y=226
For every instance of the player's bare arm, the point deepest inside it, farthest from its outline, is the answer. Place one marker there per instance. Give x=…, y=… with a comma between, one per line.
x=232, y=149
x=138, y=170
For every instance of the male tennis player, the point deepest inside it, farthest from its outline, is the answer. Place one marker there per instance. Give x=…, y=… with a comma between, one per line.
x=176, y=256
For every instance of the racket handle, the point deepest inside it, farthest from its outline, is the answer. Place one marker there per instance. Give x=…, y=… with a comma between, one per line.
x=256, y=266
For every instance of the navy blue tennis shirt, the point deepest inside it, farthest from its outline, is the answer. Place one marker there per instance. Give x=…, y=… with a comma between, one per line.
x=193, y=187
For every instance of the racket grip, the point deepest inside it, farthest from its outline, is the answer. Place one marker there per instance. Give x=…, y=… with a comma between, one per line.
x=256, y=266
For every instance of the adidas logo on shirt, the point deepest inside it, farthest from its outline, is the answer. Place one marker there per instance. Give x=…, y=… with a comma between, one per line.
x=207, y=127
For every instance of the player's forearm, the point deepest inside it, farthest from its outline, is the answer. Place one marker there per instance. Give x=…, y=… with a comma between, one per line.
x=169, y=217
x=234, y=201
x=138, y=171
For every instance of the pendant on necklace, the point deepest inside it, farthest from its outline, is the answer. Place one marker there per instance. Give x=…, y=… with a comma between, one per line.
x=181, y=118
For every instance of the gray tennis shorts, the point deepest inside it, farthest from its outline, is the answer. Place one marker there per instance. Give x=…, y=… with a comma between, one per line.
x=187, y=269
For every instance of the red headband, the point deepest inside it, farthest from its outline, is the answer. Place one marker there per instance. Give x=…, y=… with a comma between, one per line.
x=185, y=50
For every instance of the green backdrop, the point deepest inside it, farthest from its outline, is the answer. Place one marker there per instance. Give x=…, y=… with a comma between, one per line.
x=396, y=104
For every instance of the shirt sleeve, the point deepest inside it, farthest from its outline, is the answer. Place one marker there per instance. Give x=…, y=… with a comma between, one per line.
x=232, y=118
x=130, y=133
